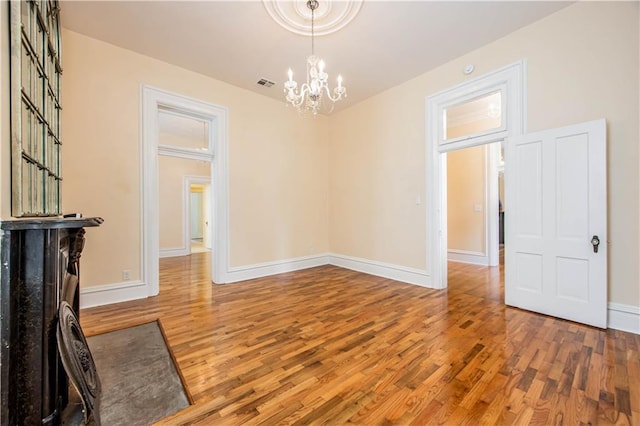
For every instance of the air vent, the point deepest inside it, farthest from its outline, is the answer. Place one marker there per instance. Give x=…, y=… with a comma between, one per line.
x=266, y=83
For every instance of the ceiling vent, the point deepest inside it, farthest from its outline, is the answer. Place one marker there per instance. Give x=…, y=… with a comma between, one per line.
x=266, y=83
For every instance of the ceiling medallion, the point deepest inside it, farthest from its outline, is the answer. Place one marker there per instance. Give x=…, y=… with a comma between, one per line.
x=295, y=16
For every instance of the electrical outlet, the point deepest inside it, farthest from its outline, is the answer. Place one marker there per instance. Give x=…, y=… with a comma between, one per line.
x=126, y=275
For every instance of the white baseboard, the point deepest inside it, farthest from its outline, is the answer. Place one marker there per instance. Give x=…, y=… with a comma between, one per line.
x=620, y=317
x=131, y=290
x=386, y=270
x=624, y=317
x=472, y=257
x=259, y=270
x=174, y=252
x=112, y=293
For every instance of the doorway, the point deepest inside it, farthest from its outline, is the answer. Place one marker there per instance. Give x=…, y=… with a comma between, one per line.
x=199, y=217
x=215, y=154
x=181, y=182
x=557, y=220
x=446, y=114
x=473, y=204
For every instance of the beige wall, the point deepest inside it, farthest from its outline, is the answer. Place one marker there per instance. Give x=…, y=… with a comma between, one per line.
x=278, y=195
x=376, y=175
x=466, y=176
x=171, y=173
x=582, y=64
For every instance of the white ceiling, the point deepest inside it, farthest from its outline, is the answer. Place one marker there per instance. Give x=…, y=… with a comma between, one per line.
x=387, y=43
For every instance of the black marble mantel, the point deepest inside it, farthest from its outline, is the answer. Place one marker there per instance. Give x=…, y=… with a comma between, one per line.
x=40, y=268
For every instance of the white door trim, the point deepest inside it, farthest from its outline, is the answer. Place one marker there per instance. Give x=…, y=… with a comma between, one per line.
x=492, y=159
x=511, y=80
x=151, y=99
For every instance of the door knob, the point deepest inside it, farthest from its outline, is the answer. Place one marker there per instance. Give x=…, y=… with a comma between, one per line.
x=595, y=242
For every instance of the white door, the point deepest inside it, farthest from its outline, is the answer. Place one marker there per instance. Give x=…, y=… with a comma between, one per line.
x=556, y=205
x=207, y=216
x=197, y=219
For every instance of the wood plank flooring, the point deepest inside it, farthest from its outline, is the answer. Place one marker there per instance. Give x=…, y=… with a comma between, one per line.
x=333, y=346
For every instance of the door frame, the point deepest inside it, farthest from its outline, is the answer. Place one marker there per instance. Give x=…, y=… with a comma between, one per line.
x=511, y=81
x=152, y=99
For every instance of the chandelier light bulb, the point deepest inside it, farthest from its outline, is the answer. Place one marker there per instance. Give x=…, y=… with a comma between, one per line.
x=339, y=81
x=290, y=73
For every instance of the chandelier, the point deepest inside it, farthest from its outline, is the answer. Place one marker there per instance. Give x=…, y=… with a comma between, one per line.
x=313, y=94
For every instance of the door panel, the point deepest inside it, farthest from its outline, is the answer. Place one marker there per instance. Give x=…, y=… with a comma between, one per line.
x=571, y=274
x=529, y=189
x=572, y=198
x=556, y=193
x=529, y=272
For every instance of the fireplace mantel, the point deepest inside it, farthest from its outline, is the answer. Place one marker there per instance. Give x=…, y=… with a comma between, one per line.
x=40, y=269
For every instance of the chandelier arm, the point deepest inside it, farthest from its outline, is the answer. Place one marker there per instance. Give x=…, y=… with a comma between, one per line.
x=328, y=93
x=332, y=105
x=297, y=101
x=335, y=98
x=300, y=98
x=293, y=97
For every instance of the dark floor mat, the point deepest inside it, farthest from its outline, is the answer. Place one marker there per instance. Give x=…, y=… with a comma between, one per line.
x=140, y=383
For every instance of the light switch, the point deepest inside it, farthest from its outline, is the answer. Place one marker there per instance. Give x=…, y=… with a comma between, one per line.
x=418, y=200
x=477, y=208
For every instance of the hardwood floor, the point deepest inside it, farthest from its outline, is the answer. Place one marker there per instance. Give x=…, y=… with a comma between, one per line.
x=333, y=346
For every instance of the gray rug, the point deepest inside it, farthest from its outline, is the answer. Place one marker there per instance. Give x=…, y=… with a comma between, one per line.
x=140, y=383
